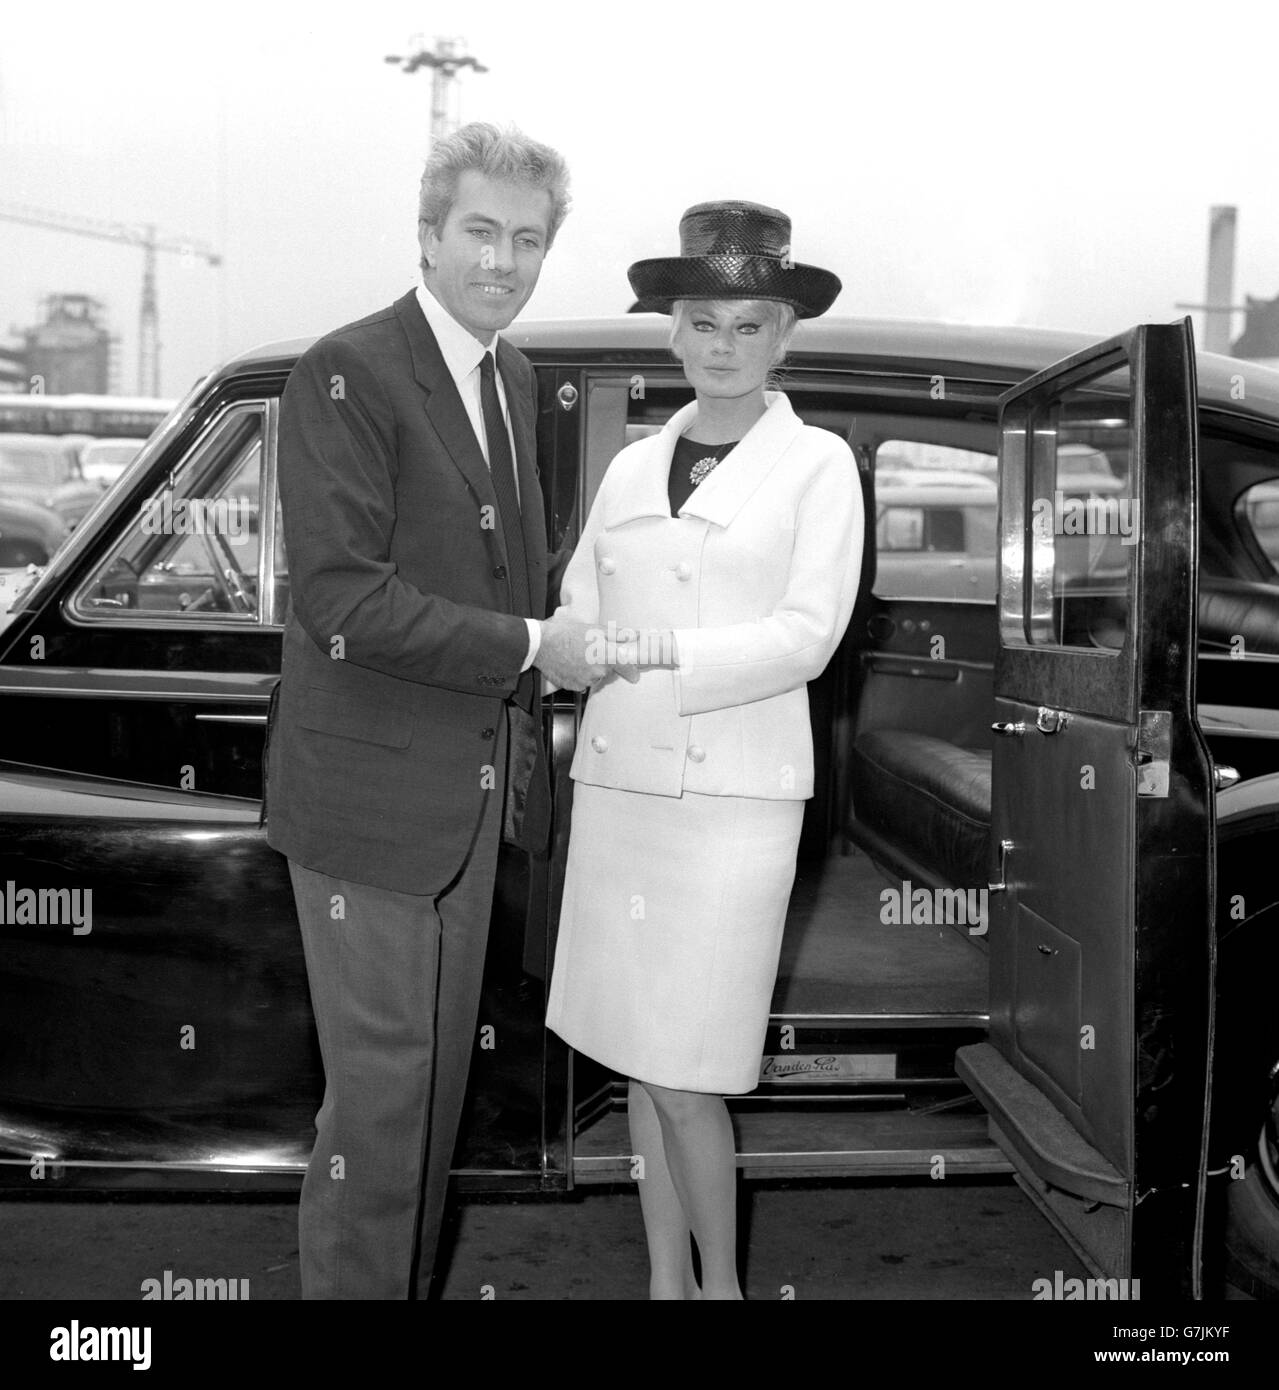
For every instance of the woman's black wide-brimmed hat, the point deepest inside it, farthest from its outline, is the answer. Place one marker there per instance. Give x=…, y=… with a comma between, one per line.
x=733, y=250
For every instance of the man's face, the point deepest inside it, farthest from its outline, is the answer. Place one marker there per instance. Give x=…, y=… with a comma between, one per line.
x=483, y=263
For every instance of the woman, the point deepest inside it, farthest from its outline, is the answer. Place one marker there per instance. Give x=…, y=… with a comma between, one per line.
x=727, y=550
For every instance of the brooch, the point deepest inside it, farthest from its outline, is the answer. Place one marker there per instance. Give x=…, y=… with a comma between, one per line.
x=701, y=468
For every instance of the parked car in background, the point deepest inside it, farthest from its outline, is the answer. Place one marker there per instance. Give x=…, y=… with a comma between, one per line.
x=1035, y=925
x=102, y=461
x=45, y=469
x=935, y=532
x=29, y=534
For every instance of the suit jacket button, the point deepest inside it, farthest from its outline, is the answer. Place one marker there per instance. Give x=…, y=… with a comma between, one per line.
x=684, y=570
x=608, y=565
x=599, y=743
x=500, y=572
x=488, y=733
x=696, y=753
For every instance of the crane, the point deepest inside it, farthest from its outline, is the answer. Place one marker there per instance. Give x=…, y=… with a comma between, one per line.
x=152, y=243
x=444, y=60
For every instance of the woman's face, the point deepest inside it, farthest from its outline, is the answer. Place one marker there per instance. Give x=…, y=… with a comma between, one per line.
x=726, y=349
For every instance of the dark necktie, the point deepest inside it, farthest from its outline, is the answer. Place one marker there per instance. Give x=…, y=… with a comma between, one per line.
x=503, y=471
x=526, y=815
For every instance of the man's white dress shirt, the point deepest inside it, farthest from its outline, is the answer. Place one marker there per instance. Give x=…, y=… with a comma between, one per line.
x=463, y=353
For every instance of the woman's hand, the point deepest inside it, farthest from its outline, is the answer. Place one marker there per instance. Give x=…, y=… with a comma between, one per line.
x=628, y=651
x=624, y=657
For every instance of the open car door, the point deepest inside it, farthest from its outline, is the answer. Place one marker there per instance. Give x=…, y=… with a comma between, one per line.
x=1101, y=909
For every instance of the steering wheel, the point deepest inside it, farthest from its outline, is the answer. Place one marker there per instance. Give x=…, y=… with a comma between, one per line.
x=237, y=599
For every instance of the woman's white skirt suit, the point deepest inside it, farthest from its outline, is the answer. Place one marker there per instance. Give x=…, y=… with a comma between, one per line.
x=690, y=784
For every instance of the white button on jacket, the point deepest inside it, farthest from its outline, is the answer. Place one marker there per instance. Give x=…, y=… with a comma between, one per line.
x=767, y=553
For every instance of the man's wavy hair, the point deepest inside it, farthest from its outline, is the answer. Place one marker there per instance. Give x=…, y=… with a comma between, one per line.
x=508, y=155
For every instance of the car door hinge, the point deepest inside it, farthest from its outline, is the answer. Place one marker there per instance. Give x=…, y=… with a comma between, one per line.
x=1153, y=752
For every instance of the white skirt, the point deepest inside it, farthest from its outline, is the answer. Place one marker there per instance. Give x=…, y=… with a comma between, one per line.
x=670, y=932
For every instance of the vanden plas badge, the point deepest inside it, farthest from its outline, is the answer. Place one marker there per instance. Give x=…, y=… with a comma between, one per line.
x=47, y=907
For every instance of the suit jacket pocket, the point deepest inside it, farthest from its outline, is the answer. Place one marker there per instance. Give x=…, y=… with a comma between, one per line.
x=329, y=711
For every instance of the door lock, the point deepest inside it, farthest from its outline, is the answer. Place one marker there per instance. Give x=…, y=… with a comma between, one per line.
x=1051, y=721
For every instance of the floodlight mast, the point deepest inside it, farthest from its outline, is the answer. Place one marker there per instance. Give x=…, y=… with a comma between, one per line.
x=445, y=61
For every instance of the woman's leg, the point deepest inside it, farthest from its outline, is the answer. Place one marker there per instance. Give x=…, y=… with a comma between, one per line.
x=702, y=1158
x=666, y=1228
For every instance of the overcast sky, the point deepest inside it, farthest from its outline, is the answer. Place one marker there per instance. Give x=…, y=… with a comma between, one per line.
x=975, y=161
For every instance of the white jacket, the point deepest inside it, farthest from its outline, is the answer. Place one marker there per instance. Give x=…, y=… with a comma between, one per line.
x=757, y=578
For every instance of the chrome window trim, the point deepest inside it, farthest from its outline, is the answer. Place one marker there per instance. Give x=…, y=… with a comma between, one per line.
x=267, y=503
x=169, y=686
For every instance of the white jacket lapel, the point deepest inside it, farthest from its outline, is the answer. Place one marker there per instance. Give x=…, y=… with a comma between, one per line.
x=723, y=494
x=643, y=491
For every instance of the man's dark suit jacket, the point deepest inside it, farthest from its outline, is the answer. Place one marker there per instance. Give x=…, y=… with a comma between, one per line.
x=401, y=645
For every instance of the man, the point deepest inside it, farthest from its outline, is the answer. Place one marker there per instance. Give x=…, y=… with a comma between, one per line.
x=417, y=557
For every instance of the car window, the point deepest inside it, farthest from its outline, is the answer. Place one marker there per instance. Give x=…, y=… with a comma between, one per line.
x=192, y=548
x=1082, y=518
x=935, y=511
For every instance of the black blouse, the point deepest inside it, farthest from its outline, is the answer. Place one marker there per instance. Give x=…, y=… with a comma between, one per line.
x=691, y=461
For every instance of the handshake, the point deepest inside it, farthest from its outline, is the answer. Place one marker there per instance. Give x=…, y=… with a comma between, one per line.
x=579, y=656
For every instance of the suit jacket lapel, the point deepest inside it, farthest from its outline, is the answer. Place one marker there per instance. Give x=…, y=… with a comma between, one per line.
x=444, y=408
x=447, y=416
x=644, y=491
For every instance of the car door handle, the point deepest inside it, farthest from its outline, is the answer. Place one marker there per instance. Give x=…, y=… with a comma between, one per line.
x=1008, y=729
x=232, y=718
x=1005, y=848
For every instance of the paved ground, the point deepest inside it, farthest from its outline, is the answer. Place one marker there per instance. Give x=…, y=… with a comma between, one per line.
x=952, y=1240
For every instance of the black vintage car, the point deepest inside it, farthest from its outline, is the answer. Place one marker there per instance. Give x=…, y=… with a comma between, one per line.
x=1035, y=926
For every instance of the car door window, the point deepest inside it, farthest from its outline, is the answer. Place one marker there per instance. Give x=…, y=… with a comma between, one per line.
x=192, y=550
x=1081, y=518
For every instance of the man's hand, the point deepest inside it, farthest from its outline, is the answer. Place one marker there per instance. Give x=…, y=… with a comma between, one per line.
x=564, y=654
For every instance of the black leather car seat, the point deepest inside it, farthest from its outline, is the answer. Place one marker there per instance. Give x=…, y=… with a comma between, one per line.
x=930, y=797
